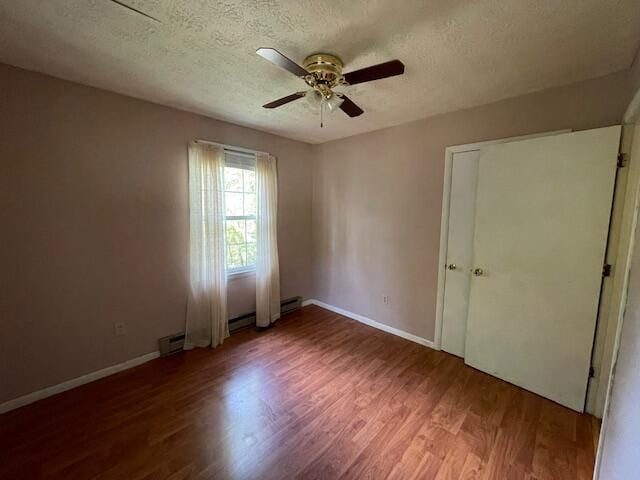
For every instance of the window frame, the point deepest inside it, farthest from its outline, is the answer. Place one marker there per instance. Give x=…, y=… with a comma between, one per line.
x=249, y=163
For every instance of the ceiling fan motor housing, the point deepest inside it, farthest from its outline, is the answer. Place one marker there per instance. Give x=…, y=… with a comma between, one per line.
x=325, y=70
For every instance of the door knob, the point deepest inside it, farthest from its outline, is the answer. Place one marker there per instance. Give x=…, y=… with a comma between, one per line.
x=452, y=266
x=477, y=272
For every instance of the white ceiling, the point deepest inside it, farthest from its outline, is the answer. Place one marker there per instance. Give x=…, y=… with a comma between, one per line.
x=201, y=56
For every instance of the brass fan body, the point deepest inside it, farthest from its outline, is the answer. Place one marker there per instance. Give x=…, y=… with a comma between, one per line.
x=325, y=72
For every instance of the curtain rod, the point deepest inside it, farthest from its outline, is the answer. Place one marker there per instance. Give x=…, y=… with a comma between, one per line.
x=232, y=148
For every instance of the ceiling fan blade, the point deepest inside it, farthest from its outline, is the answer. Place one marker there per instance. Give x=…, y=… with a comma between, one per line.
x=284, y=100
x=122, y=4
x=280, y=60
x=350, y=108
x=375, y=72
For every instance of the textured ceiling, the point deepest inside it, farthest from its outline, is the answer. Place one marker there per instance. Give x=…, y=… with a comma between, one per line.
x=201, y=56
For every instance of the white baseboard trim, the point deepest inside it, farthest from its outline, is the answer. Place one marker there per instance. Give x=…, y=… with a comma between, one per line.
x=75, y=382
x=372, y=323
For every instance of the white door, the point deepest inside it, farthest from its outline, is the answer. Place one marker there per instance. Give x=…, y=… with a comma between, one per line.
x=464, y=169
x=458, y=220
x=541, y=225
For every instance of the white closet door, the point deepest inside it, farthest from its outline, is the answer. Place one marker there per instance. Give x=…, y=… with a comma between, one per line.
x=464, y=171
x=541, y=225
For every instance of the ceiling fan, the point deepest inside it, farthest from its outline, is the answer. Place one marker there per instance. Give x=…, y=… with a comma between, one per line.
x=323, y=72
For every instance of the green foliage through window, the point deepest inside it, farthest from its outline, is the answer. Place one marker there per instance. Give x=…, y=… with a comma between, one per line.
x=240, y=210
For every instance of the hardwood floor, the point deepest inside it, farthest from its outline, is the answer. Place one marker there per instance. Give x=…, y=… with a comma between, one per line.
x=318, y=396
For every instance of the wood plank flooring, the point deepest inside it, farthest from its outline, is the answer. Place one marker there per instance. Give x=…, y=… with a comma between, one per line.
x=319, y=396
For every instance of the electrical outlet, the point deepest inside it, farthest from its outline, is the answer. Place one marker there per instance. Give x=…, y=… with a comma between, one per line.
x=385, y=299
x=119, y=329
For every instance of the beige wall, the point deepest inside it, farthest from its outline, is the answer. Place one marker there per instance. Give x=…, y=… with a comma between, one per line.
x=635, y=71
x=377, y=197
x=632, y=115
x=93, y=211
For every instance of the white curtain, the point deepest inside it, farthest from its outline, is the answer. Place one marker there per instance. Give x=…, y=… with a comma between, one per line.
x=206, y=322
x=267, y=267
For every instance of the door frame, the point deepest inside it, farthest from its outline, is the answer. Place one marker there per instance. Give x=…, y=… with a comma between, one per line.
x=444, y=222
x=628, y=247
x=614, y=293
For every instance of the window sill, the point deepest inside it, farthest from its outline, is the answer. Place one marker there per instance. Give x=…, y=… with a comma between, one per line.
x=241, y=274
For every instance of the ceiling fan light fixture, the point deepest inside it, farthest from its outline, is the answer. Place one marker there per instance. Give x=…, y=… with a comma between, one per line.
x=314, y=99
x=334, y=102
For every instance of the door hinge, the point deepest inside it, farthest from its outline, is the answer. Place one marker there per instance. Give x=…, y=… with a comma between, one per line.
x=606, y=270
x=622, y=160
x=592, y=372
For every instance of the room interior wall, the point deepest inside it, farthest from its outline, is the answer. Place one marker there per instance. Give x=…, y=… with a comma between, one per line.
x=93, y=208
x=377, y=197
x=93, y=202
x=633, y=110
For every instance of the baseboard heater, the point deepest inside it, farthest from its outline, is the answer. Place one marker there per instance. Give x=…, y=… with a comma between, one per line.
x=286, y=306
x=175, y=343
x=171, y=344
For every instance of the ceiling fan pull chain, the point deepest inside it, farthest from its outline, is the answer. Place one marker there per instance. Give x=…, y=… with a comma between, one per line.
x=322, y=113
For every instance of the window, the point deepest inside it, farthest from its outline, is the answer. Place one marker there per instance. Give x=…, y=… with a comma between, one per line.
x=240, y=211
